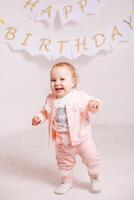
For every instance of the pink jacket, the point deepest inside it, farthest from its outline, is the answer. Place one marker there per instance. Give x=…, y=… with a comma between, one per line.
x=78, y=116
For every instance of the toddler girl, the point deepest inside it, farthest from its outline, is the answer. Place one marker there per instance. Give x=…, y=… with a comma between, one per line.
x=68, y=113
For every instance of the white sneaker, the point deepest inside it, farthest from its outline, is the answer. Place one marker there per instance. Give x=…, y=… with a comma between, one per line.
x=63, y=187
x=95, y=185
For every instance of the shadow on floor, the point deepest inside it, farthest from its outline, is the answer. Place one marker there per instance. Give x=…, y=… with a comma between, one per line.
x=26, y=168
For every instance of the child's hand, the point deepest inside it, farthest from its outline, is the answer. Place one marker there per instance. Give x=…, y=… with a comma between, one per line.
x=94, y=106
x=35, y=121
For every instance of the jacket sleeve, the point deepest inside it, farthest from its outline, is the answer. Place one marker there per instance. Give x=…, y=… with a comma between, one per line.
x=43, y=114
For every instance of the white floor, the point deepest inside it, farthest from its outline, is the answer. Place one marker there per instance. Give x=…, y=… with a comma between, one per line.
x=28, y=169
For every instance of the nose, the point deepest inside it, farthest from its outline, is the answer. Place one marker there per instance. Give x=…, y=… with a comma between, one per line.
x=57, y=82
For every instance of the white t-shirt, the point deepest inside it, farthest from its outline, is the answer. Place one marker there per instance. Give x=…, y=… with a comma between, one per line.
x=60, y=118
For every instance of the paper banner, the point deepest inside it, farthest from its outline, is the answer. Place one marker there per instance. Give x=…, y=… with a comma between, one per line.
x=40, y=10
x=81, y=46
x=45, y=12
x=53, y=48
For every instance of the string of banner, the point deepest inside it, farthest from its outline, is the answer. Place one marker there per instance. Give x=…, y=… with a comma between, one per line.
x=40, y=10
x=89, y=44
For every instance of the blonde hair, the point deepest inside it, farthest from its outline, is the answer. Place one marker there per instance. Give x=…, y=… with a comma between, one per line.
x=70, y=67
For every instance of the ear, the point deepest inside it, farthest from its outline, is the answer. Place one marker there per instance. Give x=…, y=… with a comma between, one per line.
x=74, y=82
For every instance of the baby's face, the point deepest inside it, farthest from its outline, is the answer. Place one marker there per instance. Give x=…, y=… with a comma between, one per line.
x=61, y=81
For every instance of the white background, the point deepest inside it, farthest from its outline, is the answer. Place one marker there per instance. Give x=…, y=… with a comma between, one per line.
x=24, y=80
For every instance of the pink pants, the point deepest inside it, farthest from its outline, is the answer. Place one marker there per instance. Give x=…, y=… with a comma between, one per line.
x=66, y=154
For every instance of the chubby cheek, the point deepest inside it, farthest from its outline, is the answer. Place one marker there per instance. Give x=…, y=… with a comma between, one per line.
x=52, y=86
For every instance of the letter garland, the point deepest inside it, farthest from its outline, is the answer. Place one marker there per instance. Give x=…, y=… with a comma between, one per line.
x=89, y=44
x=40, y=10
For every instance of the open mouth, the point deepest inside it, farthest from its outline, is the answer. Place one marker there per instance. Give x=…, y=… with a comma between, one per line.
x=58, y=89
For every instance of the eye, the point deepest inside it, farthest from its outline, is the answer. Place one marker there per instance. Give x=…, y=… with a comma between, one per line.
x=62, y=79
x=53, y=80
